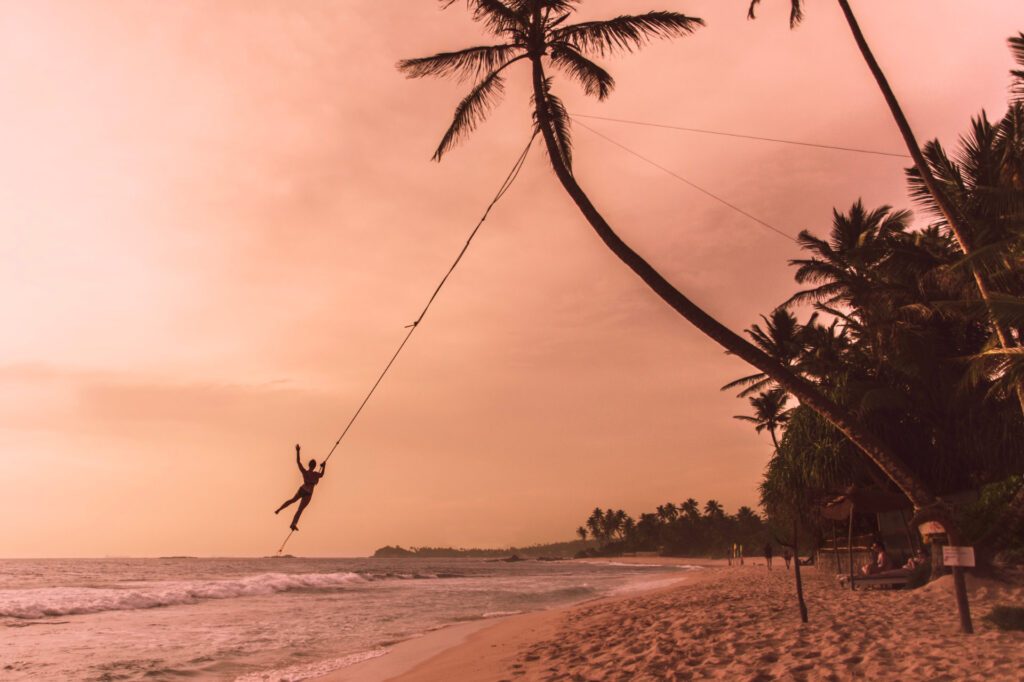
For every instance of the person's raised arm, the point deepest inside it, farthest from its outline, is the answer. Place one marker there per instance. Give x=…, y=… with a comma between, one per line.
x=323, y=468
x=298, y=461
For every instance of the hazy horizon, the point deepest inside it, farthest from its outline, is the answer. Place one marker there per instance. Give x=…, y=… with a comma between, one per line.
x=219, y=217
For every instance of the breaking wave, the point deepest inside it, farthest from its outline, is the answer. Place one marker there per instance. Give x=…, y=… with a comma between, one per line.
x=309, y=670
x=64, y=601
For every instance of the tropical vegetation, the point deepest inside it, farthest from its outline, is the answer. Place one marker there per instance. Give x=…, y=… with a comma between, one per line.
x=686, y=529
x=907, y=369
x=899, y=333
x=540, y=33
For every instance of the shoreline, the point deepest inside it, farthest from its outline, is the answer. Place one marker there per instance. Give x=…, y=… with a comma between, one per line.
x=741, y=623
x=424, y=654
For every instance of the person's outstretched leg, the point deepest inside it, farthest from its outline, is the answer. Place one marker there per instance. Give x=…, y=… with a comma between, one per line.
x=295, y=499
x=298, y=512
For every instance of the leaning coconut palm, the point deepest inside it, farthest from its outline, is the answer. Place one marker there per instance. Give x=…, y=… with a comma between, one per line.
x=933, y=187
x=539, y=33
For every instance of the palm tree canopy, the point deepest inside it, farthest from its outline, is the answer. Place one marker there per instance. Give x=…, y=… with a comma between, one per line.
x=713, y=508
x=783, y=338
x=535, y=29
x=746, y=514
x=769, y=411
x=842, y=266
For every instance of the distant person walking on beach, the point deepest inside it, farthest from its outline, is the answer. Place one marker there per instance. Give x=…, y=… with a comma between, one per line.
x=786, y=556
x=310, y=477
x=768, y=551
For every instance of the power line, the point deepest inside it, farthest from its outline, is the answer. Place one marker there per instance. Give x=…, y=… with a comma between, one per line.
x=747, y=137
x=505, y=186
x=695, y=186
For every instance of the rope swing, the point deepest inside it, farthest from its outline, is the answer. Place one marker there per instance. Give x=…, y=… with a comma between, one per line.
x=505, y=186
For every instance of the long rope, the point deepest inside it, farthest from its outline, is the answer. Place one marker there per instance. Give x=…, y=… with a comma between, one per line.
x=694, y=185
x=289, y=537
x=746, y=137
x=505, y=186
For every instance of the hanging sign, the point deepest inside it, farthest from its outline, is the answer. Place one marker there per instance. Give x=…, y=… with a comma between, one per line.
x=958, y=556
x=931, y=528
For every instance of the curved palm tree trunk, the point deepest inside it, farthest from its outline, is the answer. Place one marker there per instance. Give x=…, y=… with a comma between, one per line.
x=878, y=452
x=1002, y=333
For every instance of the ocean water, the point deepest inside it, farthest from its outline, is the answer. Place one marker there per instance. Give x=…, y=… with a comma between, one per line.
x=261, y=619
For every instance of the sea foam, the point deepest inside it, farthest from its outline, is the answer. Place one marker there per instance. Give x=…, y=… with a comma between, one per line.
x=63, y=601
x=310, y=670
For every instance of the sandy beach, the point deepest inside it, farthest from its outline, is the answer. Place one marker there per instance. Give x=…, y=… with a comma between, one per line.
x=738, y=623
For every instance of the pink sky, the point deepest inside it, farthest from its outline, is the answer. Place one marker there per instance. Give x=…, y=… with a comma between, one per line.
x=218, y=217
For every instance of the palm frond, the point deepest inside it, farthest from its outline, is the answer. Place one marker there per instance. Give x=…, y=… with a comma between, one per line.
x=558, y=117
x=1017, y=48
x=757, y=387
x=499, y=17
x=595, y=80
x=473, y=62
x=1002, y=368
x=753, y=384
x=796, y=11
x=559, y=7
x=625, y=33
x=1008, y=309
x=744, y=381
x=471, y=111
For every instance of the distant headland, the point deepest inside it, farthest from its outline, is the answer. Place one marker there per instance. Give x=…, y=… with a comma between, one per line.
x=555, y=550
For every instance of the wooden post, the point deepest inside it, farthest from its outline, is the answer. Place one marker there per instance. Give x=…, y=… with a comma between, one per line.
x=910, y=540
x=960, y=589
x=938, y=515
x=835, y=548
x=796, y=569
x=849, y=545
x=959, y=584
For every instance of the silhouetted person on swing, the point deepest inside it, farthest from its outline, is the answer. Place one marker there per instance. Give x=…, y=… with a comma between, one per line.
x=310, y=477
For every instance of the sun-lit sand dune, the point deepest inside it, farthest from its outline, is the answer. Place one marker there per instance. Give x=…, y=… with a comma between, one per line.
x=742, y=624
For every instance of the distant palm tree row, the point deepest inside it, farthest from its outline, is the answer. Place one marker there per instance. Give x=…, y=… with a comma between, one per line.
x=674, y=530
x=968, y=258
